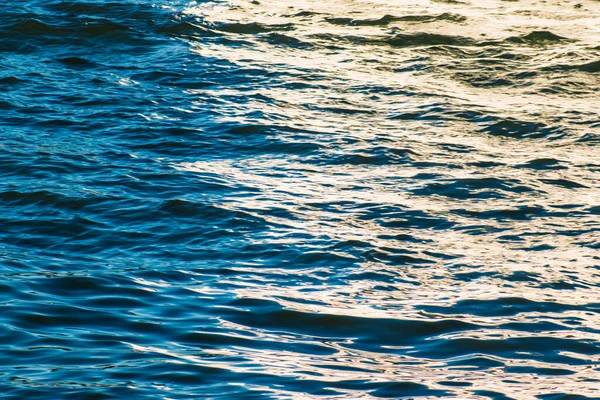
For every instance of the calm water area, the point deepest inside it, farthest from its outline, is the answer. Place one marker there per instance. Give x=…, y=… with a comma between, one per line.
x=335, y=199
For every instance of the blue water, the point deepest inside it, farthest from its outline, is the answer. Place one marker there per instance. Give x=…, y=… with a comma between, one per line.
x=289, y=200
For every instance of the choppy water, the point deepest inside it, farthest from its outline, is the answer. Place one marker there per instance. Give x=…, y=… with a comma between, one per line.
x=310, y=199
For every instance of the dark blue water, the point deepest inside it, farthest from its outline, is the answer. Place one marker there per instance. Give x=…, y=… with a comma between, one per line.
x=338, y=199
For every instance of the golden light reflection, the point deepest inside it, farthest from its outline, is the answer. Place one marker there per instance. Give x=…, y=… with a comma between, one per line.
x=428, y=208
x=380, y=367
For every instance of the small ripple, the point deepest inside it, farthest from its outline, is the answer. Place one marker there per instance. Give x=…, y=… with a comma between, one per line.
x=537, y=38
x=388, y=19
x=252, y=28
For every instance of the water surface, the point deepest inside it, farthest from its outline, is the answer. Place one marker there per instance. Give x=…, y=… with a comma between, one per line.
x=336, y=199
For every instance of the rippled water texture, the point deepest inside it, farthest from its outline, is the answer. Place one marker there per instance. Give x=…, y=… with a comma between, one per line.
x=335, y=199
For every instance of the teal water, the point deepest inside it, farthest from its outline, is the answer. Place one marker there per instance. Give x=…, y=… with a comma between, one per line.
x=291, y=200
